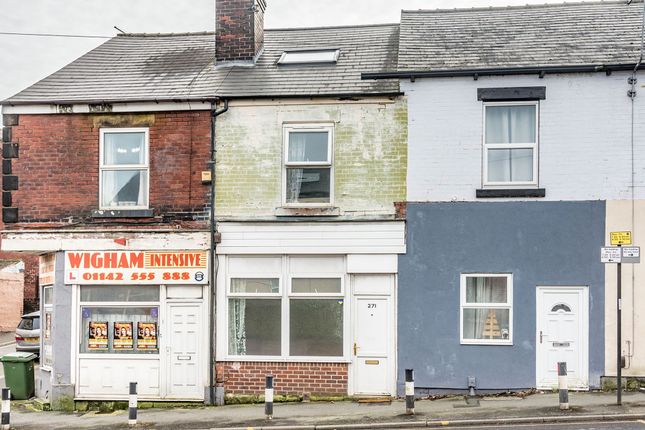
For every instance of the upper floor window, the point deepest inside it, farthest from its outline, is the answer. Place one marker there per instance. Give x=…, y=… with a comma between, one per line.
x=308, y=172
x=510, y=144
x=124, y=168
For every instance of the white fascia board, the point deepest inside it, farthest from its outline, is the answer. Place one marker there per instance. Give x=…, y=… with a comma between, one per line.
x=51, y=109
x=312, y=238
x=103, y=241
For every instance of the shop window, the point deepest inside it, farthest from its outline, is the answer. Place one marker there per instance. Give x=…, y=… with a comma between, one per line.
x=308, y=165
x=119, y=319
x=254, y=326
x=486, y=308
x=124, y=168
x=126, y=293
x=254, y=316
x=316, y=327
x=305, y=319
x=48, y=312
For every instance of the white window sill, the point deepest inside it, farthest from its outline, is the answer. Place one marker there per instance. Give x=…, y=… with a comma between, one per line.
x=307, y=211
x=486, y=343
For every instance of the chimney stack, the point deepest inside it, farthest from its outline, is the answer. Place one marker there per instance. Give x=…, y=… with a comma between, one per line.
x=239, y=30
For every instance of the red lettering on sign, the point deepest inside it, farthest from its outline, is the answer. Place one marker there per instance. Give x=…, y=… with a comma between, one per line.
x=75, y=259
x=136, y=260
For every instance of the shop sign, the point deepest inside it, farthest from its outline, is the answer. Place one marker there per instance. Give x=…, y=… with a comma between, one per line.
x=136, y=267
x=46, y=269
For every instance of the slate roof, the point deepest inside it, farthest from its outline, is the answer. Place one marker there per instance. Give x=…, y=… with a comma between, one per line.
x=587, y=33
x=129, y=68
x=148, y=67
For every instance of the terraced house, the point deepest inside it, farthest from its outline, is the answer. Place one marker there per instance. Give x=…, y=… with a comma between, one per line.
x=311, y=161
x=332, y=206
x=525, y=150
x=116, y=163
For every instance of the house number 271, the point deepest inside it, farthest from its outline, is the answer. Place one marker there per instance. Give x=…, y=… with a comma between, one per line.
x=371, y=305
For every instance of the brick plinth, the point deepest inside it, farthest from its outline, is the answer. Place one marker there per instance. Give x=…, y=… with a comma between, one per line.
x=289, y=378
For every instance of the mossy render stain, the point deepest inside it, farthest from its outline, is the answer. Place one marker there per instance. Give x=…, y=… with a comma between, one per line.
x=370, y=156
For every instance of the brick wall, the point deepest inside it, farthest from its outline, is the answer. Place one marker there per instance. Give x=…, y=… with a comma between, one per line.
x=58, y=165
x=289, y=378
x=11, y=287
x=240, y=29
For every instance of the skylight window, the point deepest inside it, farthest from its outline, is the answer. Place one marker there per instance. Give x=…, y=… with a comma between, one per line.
x=310, y=57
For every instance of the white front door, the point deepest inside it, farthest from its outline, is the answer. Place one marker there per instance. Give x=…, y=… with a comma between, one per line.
x=184, y=351
x=562, y=335
x=373, y=333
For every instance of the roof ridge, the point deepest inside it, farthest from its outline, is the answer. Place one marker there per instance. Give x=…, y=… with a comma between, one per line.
x=526, y=6
x=330, y=27
x=193, y=33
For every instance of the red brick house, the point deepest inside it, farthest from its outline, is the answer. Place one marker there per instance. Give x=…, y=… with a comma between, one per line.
x=108, y=173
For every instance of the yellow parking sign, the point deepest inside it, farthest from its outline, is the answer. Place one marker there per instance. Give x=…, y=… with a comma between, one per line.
x=621, y=237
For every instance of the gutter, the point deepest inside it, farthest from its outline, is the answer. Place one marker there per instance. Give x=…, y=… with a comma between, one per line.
x=498, y=71
x=213, y=267
x=8, y=102
x=341, y=96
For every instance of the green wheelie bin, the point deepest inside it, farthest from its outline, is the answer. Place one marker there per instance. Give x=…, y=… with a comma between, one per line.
x=19, y=374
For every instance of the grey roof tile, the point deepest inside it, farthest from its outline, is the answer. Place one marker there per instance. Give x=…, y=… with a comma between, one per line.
x=181, y=67
x=564, y=34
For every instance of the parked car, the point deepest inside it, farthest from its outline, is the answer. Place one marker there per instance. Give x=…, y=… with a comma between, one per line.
x=28, y=333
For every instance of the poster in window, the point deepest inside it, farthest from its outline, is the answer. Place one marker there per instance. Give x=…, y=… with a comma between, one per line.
x=146, y=335
x=98, y=335
x=48, y=325
x=123, y=335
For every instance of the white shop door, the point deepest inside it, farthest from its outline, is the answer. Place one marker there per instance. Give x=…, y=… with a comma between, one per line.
x=371, y=345
x=562, y=335
x=184, y=352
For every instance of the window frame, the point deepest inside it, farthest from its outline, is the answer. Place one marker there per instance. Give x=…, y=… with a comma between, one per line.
x=285, y=296
x=283, y=60
x=230, y=293
x=293, y=276
x=115, y=167
x=463, y=304
x=491, y=146
x=47, y=360
x=287, y=129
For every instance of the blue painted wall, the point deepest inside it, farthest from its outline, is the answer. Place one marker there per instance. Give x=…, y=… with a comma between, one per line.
x=540, y=243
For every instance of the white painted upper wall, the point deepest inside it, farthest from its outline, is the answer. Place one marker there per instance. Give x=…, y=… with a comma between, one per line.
x=584, y=136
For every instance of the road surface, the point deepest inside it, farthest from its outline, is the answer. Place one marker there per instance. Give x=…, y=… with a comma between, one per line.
x=602, y=425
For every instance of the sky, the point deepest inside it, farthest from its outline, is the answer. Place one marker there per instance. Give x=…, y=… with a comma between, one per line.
x=26, y=59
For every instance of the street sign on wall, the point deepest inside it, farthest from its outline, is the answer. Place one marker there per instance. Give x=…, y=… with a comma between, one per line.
x=610, y=254
x=620, y=237
x=631, y=254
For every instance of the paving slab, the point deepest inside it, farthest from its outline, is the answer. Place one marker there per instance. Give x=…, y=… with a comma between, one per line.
x=536, y=408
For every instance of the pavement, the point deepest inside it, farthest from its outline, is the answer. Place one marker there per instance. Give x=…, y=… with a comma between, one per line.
x=7, y=337
x=495, y=411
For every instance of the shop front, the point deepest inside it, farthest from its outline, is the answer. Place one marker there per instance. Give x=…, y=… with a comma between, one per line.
x=132, y=316
x=314, y=305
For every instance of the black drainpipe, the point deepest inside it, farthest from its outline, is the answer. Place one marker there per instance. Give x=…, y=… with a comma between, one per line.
x=212, y=261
